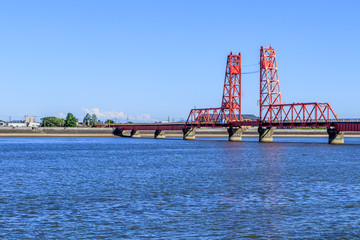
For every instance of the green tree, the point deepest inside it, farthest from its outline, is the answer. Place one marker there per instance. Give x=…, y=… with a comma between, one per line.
x=61, y=122
x=109, y=121
x=70, y=120
x=93, y=119
x=49, y=121
x=87, y=119
x=52, y=122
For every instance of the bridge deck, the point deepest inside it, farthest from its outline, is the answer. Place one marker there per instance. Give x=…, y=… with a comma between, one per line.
x=347, y=126
x=339, y=126
x=146, y=126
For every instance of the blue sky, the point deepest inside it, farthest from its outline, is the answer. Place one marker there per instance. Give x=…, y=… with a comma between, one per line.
x=151, y=60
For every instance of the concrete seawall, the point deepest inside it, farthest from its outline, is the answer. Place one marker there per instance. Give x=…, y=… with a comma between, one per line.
x=56, y=132
x=200, y=133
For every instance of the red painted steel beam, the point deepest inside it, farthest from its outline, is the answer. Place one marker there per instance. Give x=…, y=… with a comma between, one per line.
x=170, y=127
x=299, y=114
x=206, y=117
x=296, y=124
x=347, y=127
x=244, y=124
x=230, y=109
x=273, y=112
x=231, y=100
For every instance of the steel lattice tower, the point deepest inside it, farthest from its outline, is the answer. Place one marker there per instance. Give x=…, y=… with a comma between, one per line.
x=231, y=100
x=230, y=110
x=269, y=80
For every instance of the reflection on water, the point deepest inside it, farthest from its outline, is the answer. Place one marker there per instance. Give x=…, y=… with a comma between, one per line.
x=207, y=189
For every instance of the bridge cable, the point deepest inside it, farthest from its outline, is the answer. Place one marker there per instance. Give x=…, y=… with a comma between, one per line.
x=249, y=65
x=250, y=72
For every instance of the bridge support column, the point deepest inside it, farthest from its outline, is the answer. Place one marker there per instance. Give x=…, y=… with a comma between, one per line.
x=159, y=134
x=125, y=133
x=121, y=133
x=135, y=134
x=189, y=133
x=235, y=134
x=335, y=137
x=265, y=134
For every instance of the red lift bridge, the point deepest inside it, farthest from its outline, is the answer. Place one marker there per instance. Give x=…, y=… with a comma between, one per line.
x=273, y=111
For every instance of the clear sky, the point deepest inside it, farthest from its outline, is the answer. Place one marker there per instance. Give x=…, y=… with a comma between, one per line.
x=151, y=60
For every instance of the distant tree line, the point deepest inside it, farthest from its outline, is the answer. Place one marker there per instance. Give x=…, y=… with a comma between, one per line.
x=90, y=120
x=71, y=121
x=52, y=122
x=109, y=121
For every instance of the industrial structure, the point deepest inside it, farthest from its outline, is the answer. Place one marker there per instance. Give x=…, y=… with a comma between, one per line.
x=273, y=111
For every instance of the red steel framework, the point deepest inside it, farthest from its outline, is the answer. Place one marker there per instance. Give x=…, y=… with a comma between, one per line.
x=230, y=110
x=269, y=80
x=273, y=112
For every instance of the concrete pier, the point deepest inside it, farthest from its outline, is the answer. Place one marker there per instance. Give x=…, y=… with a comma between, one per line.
x=265, y=134
x=159, y=134
x=235, y=134
x=335, y=137
x=122, y=133
x=189, y=133
x=135, y=134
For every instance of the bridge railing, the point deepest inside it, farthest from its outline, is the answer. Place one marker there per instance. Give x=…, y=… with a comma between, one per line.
x=357, y=120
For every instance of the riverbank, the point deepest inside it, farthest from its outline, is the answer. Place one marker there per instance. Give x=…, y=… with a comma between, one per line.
x=200, y=133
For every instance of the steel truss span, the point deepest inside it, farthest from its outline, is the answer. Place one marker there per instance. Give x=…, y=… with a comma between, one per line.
x=299, y=115
x=273, y=112
x=230, y=110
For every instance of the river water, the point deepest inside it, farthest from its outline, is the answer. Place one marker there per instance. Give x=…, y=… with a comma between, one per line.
x=115, y=188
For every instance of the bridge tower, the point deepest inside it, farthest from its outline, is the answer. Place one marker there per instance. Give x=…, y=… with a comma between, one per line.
x=269, y=90
x=269, y=81
x=230, y=110
x=273, y=112
x=231, y=100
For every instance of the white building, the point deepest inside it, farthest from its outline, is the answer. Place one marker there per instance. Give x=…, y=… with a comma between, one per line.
x=16, y=124
x=32, y=124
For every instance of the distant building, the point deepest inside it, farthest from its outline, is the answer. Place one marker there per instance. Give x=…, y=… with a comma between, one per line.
x=29, y=119
x=249, y=117
x=30, y=122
